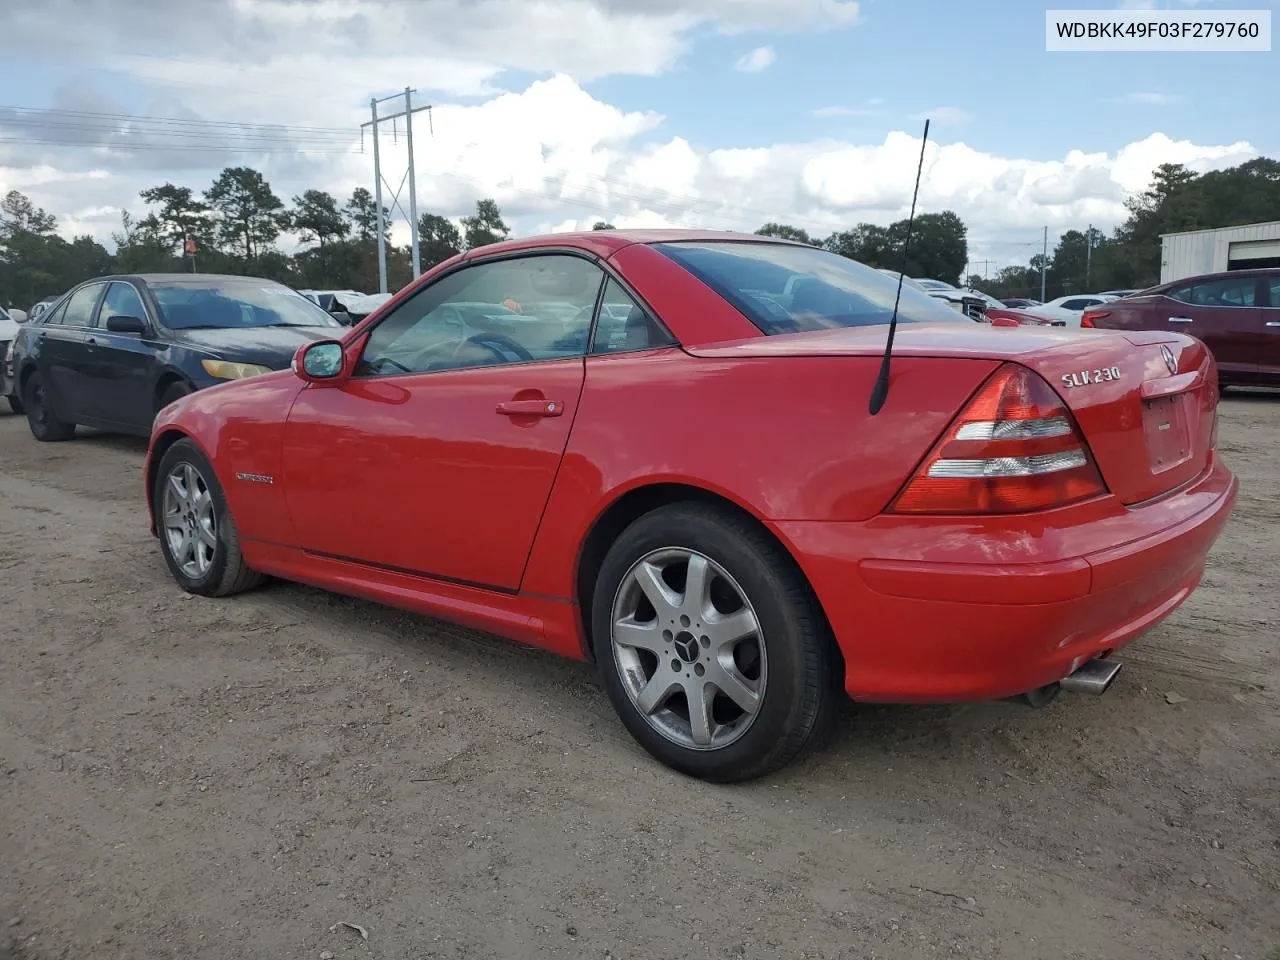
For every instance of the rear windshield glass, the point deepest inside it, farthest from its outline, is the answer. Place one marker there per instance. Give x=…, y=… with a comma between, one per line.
x=785, y=288
x=206, y=304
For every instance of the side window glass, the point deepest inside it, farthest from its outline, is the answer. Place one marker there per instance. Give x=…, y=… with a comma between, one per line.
x=79, y=311
x=623, y=325
x=1227, y=292
x=1182, y=293
x=1275, y=289
x=1076, y=304
x=54, y=317
x=122, y=300
x=510, y=311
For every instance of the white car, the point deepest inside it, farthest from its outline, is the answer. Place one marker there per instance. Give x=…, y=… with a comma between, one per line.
x=906, y=281
x=1071, y=308
x=934, y=286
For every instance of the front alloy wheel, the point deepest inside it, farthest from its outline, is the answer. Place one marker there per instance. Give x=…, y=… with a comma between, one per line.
x=190, y=525
x=687, y=645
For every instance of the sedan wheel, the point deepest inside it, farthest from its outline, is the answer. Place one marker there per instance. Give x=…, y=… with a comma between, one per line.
x=711, y=645
x=690, y=656
x=44, y=423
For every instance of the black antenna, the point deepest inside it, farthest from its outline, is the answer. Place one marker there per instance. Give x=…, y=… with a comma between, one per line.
x=880, y=392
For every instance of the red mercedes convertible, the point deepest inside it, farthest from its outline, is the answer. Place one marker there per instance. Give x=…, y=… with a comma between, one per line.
x=655, y=450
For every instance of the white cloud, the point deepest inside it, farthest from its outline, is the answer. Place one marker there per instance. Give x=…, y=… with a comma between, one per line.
x=761, y=58
x=1148, y=99
x=944, y=116
x=551, y=154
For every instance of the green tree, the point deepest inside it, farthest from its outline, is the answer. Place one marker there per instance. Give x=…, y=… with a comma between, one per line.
x=784, y=231
x=317, y=219
x=602, y=225
x=176, y=214
x=939, y=248
x=486, y=227
x=438, y=239
x=250, y=216
x=140, y=250
x=362, y=213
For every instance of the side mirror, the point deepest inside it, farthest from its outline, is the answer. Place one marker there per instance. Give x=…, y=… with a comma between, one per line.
x=319, y=362
x=126, y=325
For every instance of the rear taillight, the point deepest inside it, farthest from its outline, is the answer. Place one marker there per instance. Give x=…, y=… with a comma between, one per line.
x=1087, y=320
x=1014, y=448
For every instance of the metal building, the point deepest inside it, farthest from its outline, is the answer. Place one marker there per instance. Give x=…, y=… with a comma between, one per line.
x=1213, y=251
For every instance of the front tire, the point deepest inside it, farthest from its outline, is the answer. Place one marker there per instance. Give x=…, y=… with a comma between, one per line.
x=174, y=391
x=198, y=535
x=44, y=423
x=712, y=647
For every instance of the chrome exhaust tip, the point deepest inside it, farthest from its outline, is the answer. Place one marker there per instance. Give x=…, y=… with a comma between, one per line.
x=1092, y=677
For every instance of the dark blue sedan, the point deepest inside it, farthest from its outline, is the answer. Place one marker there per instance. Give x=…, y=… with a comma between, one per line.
x=114, y=351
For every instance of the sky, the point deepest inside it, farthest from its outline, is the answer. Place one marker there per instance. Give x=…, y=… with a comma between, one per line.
x=708, y=113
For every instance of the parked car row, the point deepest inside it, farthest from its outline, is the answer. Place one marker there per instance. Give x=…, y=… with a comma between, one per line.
x=114, y=351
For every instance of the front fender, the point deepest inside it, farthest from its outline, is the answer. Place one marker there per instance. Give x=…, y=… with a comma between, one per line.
x=239, y=428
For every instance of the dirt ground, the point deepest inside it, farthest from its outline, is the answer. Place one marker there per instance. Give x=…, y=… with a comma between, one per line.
x=183, y=777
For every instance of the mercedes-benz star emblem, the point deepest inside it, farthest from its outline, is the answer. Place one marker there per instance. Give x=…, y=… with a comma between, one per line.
x=687, y=646
x=1169, y=360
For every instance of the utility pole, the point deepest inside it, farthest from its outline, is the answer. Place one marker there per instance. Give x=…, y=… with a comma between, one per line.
x=413, y=186
x=1044, y=261
x=377, y=200
x=412, y=216
x=1088, y=253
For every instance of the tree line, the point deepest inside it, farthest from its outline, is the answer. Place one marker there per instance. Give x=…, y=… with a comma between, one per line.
x=236, y=223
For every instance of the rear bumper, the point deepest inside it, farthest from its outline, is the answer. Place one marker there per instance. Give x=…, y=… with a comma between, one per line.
x=948, y=609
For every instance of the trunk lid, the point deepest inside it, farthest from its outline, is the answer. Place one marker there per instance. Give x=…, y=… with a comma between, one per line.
x=1146, y=401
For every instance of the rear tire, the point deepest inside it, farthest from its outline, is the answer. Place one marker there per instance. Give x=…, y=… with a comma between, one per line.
x=752, y=644
x=44, y=423
x=198, y=535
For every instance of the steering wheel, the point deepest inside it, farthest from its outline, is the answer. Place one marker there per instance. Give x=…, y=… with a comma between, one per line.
x=497, y=343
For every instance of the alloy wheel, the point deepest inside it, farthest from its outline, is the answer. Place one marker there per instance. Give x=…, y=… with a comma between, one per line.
x=190, y=525
x=688, y=648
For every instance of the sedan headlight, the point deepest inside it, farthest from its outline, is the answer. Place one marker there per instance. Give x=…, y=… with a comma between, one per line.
x=230, y=370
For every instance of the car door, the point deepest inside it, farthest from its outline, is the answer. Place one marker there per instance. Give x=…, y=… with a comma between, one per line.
x=121, y=371
x=1269, y=353
x=1224, y=313
x=438, y=455
x=64, y=359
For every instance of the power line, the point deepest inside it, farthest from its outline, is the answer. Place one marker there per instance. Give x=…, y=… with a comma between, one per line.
x=268, y=139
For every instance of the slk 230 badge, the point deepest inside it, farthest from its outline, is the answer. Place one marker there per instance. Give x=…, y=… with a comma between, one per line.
x=1084, y=378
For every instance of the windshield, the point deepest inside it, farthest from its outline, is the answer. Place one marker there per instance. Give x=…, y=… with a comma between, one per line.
x=235, y=304
x=783, y=288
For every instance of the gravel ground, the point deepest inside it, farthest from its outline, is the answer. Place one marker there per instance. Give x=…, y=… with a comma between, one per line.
x=182, y=777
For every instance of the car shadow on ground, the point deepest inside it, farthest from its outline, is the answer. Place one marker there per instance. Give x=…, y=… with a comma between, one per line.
x=936, y=741
x=123, y=442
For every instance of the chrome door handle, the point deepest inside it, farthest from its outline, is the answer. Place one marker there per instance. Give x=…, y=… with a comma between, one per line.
x=1273, y=323
x=1180, y=320
x=531, y=408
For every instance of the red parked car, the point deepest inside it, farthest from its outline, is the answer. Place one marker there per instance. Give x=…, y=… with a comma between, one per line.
x=1009, y=317
x=1235, y=314
x=654, y=450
